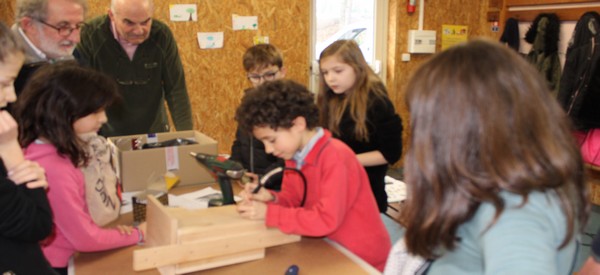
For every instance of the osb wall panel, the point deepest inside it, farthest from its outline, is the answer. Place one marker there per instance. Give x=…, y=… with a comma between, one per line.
x=215, y=78
x=436, y=13
x=7, y=11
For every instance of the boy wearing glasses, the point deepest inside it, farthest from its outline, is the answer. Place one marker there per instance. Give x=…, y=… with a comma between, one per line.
x=262, y=63
x=49, y=31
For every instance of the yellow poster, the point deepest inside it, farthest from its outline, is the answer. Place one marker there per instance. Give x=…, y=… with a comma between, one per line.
x=453, y=34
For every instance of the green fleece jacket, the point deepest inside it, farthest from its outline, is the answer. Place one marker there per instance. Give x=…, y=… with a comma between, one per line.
x=154, y=75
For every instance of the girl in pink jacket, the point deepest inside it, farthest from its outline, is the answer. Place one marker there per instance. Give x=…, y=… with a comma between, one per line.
x=60, y=104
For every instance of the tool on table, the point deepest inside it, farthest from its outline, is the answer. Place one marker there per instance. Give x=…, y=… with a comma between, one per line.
x=223, y=170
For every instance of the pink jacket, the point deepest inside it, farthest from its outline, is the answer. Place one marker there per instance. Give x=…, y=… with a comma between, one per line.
x=339, y=202
x=74, y=228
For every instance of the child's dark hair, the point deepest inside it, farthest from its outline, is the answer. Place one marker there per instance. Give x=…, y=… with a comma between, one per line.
x=9, y=45
x=261, y=56
x=276, y=104
x=54, y=98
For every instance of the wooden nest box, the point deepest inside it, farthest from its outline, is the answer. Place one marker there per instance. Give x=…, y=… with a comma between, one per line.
x=181, y=241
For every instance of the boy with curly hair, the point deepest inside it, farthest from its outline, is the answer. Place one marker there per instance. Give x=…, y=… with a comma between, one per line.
x=325, y=191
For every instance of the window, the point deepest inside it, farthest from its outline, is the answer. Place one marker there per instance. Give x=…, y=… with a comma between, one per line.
x=361, y=20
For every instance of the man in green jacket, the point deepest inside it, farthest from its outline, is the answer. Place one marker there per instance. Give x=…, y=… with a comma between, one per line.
x=141, y=54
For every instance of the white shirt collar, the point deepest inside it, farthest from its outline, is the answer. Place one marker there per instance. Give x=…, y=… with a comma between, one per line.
x=301, y=155
x=37, y=51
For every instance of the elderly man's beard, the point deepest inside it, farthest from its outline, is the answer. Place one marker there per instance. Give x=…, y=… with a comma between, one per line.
x=53, y=50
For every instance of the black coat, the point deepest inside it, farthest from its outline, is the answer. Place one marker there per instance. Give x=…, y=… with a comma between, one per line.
x=385, y=136
x=579, y=92
x=25, y=220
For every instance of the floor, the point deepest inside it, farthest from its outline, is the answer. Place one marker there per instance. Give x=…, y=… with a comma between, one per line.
x=396, y=230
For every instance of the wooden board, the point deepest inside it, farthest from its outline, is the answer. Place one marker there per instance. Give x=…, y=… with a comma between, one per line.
x=181, y=241
x=162, y=228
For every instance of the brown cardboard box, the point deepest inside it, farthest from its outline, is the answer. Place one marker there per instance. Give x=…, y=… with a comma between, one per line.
x=139, y=170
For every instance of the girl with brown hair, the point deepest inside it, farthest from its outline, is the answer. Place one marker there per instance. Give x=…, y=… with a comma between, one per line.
x=354, y=106
x=494, y=176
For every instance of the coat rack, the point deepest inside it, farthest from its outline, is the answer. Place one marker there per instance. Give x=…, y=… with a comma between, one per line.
x=566, y=10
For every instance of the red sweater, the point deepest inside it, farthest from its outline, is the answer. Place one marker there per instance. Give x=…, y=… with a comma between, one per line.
x=339, y=202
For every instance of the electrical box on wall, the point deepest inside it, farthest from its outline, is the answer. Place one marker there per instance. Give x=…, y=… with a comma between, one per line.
x=421, y=41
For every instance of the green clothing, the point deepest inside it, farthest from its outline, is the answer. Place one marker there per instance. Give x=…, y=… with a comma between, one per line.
x=547, y=63
x=155, y=74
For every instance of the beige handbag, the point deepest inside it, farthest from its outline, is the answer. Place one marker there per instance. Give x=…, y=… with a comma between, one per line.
x=101, y=183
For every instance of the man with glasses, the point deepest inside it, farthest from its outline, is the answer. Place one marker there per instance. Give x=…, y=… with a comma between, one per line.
x=49, y=30
x=141, y=54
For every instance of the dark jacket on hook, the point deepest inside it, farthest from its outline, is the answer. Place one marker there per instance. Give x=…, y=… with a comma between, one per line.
x=579, y=92
x=543, y=35
x=511, y=36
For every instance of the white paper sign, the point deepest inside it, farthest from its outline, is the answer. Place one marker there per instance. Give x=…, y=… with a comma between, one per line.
x=210, y=40
x=183, y=12
x=172, y=158
x=244, y=22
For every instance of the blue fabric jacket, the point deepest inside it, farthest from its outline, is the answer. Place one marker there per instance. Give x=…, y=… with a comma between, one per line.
x=524, y=240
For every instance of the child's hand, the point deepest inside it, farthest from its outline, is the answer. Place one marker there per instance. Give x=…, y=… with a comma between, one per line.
x=28, y=172
x=124, y=229
x=250, y=178
x=8, y=128
x=254, y=210
x=142, y=227
x=262, y=194
x=10, y=150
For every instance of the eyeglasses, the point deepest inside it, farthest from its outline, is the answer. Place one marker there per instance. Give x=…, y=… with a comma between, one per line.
x=268, y=76
x=65, y=30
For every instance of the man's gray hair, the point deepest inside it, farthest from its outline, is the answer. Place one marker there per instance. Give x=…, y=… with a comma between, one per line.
x=38, y=9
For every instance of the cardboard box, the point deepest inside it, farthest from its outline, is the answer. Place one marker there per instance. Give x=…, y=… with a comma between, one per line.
x=142, y=169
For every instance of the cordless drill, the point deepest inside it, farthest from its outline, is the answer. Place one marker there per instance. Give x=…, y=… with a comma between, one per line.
x=223, y=170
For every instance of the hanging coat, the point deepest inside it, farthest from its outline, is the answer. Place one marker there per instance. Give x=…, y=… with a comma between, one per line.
x=579, y=92
x=543, y=35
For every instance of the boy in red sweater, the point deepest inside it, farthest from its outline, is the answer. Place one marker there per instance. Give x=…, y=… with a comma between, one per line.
x=325, y=190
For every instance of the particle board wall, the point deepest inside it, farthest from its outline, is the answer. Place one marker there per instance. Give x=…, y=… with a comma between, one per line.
x=436, y=13
x=215, y=78
x=7, y=11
